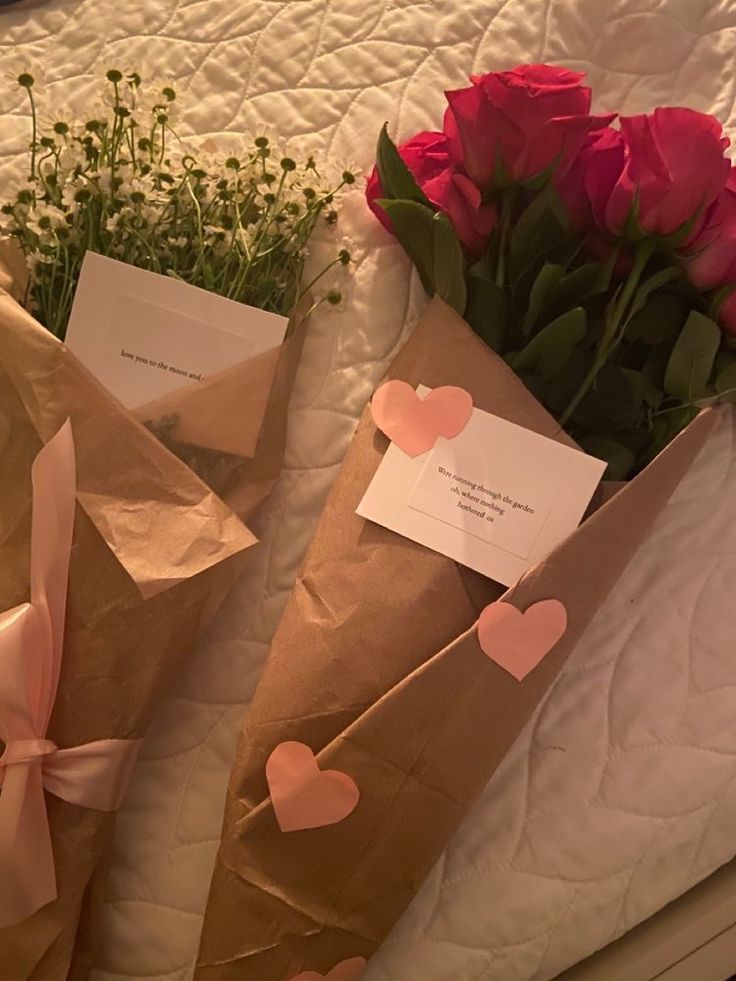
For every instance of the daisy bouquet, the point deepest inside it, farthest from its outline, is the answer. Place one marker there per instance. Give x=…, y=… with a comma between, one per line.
x=121, y=531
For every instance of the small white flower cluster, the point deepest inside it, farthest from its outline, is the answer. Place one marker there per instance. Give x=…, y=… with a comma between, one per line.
x=122, y=184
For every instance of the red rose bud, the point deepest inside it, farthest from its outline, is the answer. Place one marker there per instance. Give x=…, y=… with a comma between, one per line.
x=448, y=190
x=673, y=168
x=513, y=126
x=710, y=257
x=591, y=178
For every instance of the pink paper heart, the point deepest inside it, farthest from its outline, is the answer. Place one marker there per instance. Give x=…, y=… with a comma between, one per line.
x=415, y=424
x=518, y=641
x=349, y=970
x=303, y=796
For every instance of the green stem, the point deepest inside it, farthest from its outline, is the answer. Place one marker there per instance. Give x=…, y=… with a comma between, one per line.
x=113, y=140
x=34, y=133
x=718, y=399
x=307, y=288
x=615, y=318
x=507, y=207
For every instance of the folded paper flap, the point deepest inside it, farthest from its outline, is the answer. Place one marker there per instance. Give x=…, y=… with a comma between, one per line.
x=259, y=474
x=224, y=411
x=162, y=523
x=424, y=751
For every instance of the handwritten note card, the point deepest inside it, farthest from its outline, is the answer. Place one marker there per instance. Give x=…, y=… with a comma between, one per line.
x=144, y=335
x=497, y=498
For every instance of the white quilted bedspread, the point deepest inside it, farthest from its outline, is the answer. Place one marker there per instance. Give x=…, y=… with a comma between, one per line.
x=621, y=793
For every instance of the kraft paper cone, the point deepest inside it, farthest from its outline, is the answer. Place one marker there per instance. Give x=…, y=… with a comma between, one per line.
x=154, y=553
x=377, y=668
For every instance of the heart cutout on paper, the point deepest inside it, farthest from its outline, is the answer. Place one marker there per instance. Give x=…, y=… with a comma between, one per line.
x=349, y=970
x=303, y=796
x=518, y=641
x=415, y=424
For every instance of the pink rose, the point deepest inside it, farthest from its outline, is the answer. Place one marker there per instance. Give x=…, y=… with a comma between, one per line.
x=448, y=190
x=519, y=122
x=711, y=255
x=673, y=167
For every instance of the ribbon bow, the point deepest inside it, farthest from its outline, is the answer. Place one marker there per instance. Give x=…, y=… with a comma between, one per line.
x=31, y=647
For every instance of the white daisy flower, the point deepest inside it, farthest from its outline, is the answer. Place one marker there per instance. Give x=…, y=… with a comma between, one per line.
x=27, y=73
x=149, y=213
x=112, y=224
x=68, y=196
x=214, y=231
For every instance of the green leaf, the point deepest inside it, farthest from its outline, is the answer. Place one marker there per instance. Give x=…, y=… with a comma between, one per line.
x=431, y=243
x=640, y=384
x=659, y=320
x=549, y=350
x=579, y=285
x=481, y=269
x=486, y=311
x=613, y=400
x=651, y=285
x=724, y=359
x=397, y=181
x=536, y=385
x=566, y=383
x=413, y=227
x=717, y=299
x=726, y=383
x=549, y=276
x=668, y=424
x=540, y=227
x=652, y=394
x=620, y=458
x=691, y=361
x=449, y=264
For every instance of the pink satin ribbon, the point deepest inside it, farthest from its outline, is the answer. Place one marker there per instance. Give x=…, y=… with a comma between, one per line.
x=31, y=647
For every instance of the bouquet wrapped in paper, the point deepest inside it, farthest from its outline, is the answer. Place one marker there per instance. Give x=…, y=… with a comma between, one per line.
x=161, y=489
x=377, y=668
x=152, y=554
x=234, y=226
x=388, y=699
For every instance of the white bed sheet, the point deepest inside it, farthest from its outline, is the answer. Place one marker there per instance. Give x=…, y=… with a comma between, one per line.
x=621, y=793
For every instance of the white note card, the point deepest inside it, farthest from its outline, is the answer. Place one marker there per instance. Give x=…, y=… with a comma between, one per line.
x=143, y=335
x=497, y=497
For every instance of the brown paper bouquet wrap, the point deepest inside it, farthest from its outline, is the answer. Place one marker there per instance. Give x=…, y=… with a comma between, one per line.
x=376, y=666
x=154, y=552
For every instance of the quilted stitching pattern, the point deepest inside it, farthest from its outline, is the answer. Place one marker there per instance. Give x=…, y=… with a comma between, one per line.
x=620, y=793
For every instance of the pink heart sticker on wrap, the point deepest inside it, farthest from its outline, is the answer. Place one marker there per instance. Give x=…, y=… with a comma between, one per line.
x=303, y=796
x=415, y=424
x=349, y=970
x=518, y=641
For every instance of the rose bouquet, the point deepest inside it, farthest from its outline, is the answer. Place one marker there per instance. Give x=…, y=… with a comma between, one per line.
x=382, y=713
x=597, y=259
x=114, y=550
